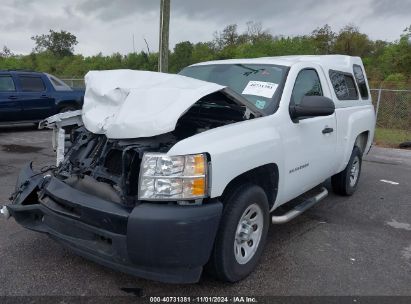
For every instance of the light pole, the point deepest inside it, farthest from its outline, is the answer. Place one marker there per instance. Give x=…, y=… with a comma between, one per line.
x=164, y=34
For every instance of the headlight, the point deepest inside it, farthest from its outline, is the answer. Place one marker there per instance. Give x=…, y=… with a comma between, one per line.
x=164, y=177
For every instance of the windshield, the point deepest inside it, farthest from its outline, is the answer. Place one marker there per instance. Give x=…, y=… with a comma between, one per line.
x=260, y=84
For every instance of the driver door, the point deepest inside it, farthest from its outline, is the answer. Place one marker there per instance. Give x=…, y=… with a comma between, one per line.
x=311, y=142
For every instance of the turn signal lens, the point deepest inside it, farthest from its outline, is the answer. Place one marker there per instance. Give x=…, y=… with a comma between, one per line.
x=198, y=187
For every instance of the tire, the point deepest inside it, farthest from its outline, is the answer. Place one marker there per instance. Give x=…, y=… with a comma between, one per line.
x=224, y=263
x=346, y=182
x=67, y=109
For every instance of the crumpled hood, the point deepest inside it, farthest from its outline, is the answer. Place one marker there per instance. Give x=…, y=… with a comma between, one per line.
x=132, y=104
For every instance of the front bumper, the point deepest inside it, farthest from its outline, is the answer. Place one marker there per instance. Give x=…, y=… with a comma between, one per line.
x=162, y=242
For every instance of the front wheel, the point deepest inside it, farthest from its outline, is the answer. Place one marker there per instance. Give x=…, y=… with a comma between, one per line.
x=346, y=182
x=67, y=109
x=242, y=234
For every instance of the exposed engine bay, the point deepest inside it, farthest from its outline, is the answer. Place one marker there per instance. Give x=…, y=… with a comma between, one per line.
x=109, y=168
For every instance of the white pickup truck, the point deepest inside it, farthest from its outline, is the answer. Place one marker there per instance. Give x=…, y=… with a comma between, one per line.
x=163, y=175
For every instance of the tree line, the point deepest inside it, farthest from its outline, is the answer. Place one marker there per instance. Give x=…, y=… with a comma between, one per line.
x=388, y=62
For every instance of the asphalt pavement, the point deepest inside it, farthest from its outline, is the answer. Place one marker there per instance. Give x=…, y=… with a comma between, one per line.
x=358, y=245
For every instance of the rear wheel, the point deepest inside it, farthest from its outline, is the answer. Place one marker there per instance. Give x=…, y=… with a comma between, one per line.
x=242, y=234
x=346, y=182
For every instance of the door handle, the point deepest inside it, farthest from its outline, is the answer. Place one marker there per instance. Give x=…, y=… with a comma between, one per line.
x=44, y=96
x=328, y=130
x=12, y=97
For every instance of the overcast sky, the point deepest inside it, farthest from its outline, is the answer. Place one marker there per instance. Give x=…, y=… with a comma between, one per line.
x=107, y=26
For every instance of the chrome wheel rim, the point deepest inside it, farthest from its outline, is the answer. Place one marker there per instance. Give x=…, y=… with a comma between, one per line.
x=355, y=171
x=248, y=234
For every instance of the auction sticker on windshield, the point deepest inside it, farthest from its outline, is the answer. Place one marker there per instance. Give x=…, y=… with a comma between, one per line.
x=260, y=88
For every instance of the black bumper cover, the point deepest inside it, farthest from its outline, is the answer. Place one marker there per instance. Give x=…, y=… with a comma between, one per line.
x=162, y=242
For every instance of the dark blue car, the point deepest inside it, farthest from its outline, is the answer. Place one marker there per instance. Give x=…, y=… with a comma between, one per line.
x=29, y=97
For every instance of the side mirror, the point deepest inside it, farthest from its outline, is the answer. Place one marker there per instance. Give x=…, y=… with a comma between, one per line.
x=311, y=106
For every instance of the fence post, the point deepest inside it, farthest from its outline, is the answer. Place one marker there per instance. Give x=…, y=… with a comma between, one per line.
x=378, y=104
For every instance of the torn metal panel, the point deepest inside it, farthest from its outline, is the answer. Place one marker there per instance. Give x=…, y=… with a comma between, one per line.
x=60, y=123
x=62, y=119
x=61, y=134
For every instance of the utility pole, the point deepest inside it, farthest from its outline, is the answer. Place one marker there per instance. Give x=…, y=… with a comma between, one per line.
x=164, y=34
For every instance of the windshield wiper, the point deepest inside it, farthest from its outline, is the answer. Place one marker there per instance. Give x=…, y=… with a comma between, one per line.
x=251, y=70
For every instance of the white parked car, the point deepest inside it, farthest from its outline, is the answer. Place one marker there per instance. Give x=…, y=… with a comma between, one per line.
x=164, y=175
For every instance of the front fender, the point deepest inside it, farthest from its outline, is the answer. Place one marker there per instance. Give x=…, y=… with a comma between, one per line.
x=235, y=149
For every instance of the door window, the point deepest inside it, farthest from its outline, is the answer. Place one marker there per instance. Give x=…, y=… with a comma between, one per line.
x=307, y=84
x=32, y=84
x=6, y=84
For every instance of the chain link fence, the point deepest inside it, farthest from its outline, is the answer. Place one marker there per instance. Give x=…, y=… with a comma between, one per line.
x=75, y=83
x=392, y=106
x=393, y=111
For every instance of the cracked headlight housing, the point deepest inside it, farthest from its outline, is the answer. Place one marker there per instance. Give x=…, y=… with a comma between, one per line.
x=164, y=177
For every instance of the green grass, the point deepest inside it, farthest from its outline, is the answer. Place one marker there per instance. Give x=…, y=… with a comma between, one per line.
x=391, y=137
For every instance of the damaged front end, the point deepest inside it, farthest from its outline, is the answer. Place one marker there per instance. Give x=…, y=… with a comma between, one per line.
x=89, y=203
x=110, y=168
x=92, y=200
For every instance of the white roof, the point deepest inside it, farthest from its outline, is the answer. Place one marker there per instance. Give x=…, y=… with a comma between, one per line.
x=338, y=62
